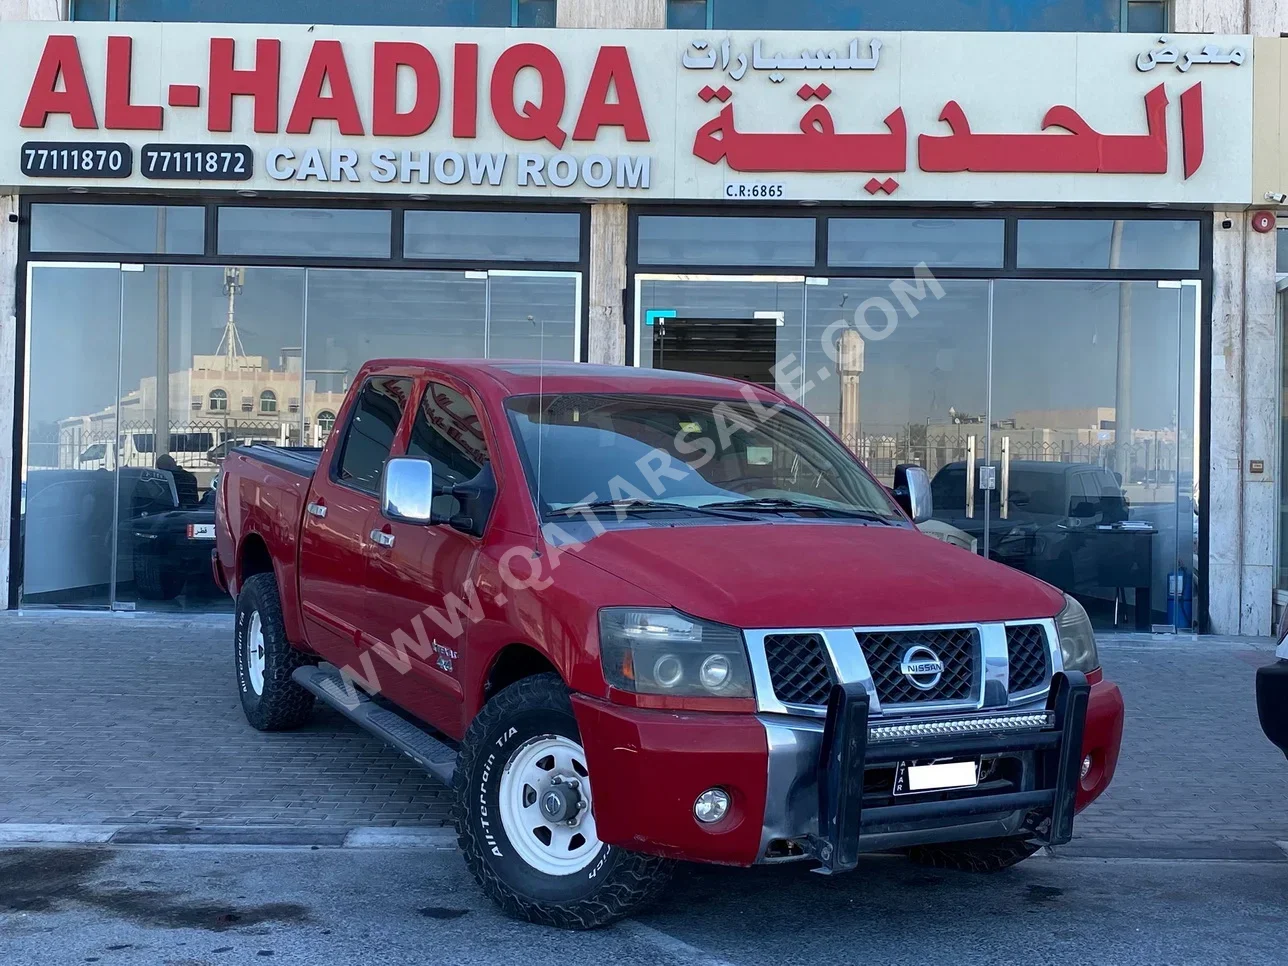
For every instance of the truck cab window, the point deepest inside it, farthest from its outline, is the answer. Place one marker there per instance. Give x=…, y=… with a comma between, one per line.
x=370, y=434
x=448, y=433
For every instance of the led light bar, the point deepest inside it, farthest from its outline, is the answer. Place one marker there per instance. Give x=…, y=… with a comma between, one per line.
x=985, y=724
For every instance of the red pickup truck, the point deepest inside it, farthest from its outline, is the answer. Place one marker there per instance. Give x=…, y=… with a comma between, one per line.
x=635, y=616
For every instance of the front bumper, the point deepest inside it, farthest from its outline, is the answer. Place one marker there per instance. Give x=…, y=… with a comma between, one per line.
x=805, y=788
x=1272, y=702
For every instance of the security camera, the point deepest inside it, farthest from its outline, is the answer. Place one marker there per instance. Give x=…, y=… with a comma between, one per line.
x=1278, y=197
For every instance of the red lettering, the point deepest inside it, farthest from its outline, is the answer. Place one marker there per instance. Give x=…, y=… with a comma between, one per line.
x=612, y=70
x=534, y=122
x=61, y=58
x=326, y=62
x=119, y=114
x=386, y=119
x=465, y=91
x=260, y=82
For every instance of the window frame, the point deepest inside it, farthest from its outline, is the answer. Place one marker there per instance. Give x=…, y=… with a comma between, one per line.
x=113, y=11
x=217, y=393
x=396, y=445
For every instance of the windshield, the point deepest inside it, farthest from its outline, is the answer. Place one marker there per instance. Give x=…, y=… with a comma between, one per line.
x=585, y=448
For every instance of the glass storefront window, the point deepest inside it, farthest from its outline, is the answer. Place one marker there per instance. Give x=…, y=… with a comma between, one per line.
x=1146, y=17
x=1088, y=15
x=1079, y=396
x=896, y=242
x=1100, y=244
x=430, y=13
x=694, y=240
x=144, y=377
x=532, y=236
x=305, y=232
x=118, y=229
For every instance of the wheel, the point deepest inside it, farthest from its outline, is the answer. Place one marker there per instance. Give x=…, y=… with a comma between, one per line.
x=524, y=814
x=153, y=580
x=265, y=660
x=983, y=855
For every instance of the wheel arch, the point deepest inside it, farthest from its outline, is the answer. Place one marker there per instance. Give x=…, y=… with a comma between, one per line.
x=512, y=663
x=253, y=558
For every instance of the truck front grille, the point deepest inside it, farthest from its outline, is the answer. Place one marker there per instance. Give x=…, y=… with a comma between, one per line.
x=799, y=668
x=1029, y=657
x=957, y=647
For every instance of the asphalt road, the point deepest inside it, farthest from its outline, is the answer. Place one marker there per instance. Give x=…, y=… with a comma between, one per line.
x=191, y=906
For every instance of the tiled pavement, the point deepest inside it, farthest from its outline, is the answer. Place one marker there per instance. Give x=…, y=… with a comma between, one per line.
x=131, y=719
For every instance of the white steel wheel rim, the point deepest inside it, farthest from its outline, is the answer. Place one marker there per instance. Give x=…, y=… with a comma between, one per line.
x=555, y=849
x=255, y=653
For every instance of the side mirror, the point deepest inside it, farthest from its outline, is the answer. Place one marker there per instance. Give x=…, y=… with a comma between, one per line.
x=912, y=492
x=407, y=493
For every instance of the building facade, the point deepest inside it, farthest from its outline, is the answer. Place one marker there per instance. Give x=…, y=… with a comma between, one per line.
x=1030, y=258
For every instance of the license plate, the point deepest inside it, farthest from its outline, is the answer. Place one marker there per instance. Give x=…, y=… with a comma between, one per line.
x=913, y=777
x=201, y=531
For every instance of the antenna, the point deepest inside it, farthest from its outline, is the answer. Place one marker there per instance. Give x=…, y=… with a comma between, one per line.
x=230, y=341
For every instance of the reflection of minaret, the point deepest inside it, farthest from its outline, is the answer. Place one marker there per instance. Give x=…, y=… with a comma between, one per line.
x=849, y=363
x=230, y=341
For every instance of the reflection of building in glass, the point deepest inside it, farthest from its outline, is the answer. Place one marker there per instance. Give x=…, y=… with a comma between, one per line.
x=212, y=407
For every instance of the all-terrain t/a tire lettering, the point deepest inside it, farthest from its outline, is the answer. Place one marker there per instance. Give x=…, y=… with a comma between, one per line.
x=271, y=699
x=595, y=887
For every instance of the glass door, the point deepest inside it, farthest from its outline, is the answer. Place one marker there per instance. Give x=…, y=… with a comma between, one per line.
x=900, y=373
x=741, y=326
x=533, y=315
x=210, y=359
x=69, y=509
x=1089, y=476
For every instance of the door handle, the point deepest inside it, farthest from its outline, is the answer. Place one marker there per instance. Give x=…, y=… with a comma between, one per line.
x=1006, y=476
x=317, y=510
x=382, y=538
x=970, y=477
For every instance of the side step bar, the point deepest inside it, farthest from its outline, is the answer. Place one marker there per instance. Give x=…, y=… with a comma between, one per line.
x=436, y=757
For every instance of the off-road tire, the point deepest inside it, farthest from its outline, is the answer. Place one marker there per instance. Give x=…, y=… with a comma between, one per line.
x=283, y=705
x=153, y=580
x=984, y=855
x=615, y=883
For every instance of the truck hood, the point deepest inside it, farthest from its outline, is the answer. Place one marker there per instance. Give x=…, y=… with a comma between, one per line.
x=765, y=575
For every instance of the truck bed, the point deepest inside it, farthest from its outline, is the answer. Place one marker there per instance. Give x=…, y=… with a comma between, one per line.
x=262, y=491
x=300, y=460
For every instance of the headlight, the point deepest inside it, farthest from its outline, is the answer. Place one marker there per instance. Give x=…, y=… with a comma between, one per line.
x=1077, y=642
x=665, y=652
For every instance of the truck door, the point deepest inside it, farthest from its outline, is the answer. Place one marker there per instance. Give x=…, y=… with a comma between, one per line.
x=343, y=505
x=421, y=601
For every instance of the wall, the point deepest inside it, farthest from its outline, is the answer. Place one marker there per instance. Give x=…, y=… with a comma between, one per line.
x=607, y=282
x=612, y=13
x=1242, y=512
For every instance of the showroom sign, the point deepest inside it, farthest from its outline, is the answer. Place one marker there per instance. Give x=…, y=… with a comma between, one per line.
x=664, y=114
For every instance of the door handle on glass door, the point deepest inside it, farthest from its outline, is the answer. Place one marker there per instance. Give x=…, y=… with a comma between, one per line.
x=317, y=510
x=1006, y=476
x=970, y=477
x=382, y=538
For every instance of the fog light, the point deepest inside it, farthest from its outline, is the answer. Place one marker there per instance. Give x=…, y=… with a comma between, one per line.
x=711, y=806
x=1086, y=767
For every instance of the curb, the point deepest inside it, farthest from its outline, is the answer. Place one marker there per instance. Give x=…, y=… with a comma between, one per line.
x=271, y=836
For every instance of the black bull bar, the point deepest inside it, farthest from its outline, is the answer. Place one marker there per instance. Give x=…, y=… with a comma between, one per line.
x=847, y=751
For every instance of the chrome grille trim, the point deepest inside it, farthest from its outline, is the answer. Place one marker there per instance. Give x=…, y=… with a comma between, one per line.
x=851, y=666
